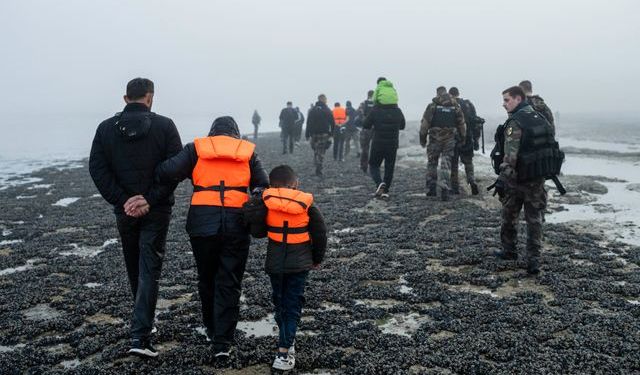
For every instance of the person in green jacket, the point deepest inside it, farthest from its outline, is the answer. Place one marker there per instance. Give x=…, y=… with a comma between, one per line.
x=385, y=93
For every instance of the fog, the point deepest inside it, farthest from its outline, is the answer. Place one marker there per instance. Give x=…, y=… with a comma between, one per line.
x=72, y=59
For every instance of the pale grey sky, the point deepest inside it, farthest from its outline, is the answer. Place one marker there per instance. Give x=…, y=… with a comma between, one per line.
x=210, y=58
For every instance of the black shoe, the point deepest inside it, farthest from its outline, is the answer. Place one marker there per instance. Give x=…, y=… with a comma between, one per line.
x=431, y=192
x=221, y=354
x=445, y=195
x=506, y=255
x=142, y=348
x=533, y=267
x=455, y=190
x=474, y=188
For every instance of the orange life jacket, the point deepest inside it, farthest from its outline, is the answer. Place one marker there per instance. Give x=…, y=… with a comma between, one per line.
x=339, y=115
x=222, y=174
x=287, y=215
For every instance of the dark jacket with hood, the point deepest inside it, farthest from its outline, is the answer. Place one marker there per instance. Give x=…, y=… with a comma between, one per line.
x=205, y=221
x=386, y=120
x=125, y=151
x=319, y=120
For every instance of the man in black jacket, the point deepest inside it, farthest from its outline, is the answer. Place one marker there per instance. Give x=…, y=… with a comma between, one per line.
x=365, y=134
x=219, y=238
x=125, y=151
x=385, y=121
x=320, y=124
x=288, y=118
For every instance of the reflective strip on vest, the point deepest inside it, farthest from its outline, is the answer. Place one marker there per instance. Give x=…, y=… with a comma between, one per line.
x=287, y=215
x=222, y=173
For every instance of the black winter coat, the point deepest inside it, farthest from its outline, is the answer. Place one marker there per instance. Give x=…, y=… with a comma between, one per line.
x=319, y=120
x=205, y=221
x=288, y=117
x=386, y=121
x=125, y=151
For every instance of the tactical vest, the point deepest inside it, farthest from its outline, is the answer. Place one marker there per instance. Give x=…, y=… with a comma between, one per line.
x=287, y=215
x=339, y=115
x=539, y=154
x=444, y=117
x=222, y=173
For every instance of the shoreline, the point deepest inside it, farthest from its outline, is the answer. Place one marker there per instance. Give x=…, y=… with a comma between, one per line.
x=410, y=276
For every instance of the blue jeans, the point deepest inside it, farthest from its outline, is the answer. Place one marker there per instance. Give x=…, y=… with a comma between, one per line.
x=288, y=299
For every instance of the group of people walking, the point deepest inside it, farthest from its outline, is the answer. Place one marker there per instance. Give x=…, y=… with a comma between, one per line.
x=137, y=160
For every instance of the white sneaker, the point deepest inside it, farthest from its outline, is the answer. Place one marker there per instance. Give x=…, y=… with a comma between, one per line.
x=154, y=329
x=284, y=363
x=381, y=190
x=292, y=349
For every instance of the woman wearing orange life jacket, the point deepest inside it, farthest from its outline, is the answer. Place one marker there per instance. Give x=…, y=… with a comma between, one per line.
x=340, y=117
x=223, y=169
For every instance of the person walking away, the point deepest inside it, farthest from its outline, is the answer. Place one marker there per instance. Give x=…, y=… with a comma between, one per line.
x=298, y=126
x=385, y=121
x=125, y=151
x=288, y=117
x=223, y=169
x=320, y=124
x=297, y=244
x=537, y=103
x=365, y=134
x=256, y=119
x=352, y=130
x=443, y=124
x=339, y=117
x=464, y=151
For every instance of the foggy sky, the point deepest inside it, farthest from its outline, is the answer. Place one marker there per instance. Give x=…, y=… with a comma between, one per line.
x=210, y=58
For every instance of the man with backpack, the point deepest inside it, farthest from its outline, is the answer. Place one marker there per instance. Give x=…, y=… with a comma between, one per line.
x=464, y=150
x=525, y=154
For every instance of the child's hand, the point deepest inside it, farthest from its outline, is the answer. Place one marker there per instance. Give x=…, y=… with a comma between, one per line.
x=315, y=267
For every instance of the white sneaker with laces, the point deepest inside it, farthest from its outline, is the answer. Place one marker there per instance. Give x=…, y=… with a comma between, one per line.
x=284, y=363
x=381, y=189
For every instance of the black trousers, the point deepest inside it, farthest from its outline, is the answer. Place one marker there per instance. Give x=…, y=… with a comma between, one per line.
x=143, y=245
x=221, y=261
x=288, y=137
x=376, y=157
x=338, y=144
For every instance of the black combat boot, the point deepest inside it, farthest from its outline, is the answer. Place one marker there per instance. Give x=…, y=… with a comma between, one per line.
x=533, y=266
x=506, y=254
x=445, y=195
x=431, y=192
x=474, y=188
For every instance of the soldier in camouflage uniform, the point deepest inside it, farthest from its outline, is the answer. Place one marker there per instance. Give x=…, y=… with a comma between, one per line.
x=320, y=124
x=443, y=125
x=464, y=151
x=537, y=102
x=515, y=194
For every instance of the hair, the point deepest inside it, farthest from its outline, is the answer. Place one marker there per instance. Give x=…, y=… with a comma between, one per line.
x=370, y=93
x=380, y=79
x=289, y=103
x=137, y=88
x=282, y=176
x=348, y=103
x=441, y=90
x=514, y=91
x=454, y=91
x=336, y=104
x=526, y=85
x=321, y=97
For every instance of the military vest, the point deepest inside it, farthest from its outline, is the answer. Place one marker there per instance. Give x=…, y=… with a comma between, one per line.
x=539, y=154
x=444, y=117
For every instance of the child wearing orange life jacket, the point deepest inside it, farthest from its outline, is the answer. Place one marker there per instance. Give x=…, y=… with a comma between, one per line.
x=297, y=243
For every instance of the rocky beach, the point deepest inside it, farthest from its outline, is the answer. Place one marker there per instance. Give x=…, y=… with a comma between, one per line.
x=409, y=285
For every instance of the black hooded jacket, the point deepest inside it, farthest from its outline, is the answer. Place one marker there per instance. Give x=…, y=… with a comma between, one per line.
x=125, y=151
x=205, y=221
x=386, y=120
x=319, y=120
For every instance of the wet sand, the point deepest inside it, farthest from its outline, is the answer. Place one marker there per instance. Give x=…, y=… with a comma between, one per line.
x=409, y=285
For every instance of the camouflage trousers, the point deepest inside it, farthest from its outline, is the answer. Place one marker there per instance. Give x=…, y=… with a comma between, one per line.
x=467, y=161
x=533, y=197
x=440, y=148
x=319, y=145
x=365, y=145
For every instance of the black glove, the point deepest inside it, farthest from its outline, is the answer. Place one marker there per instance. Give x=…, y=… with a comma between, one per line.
x=254, y=214
x=423, y=141
x=499, y=188
x=476, y=145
